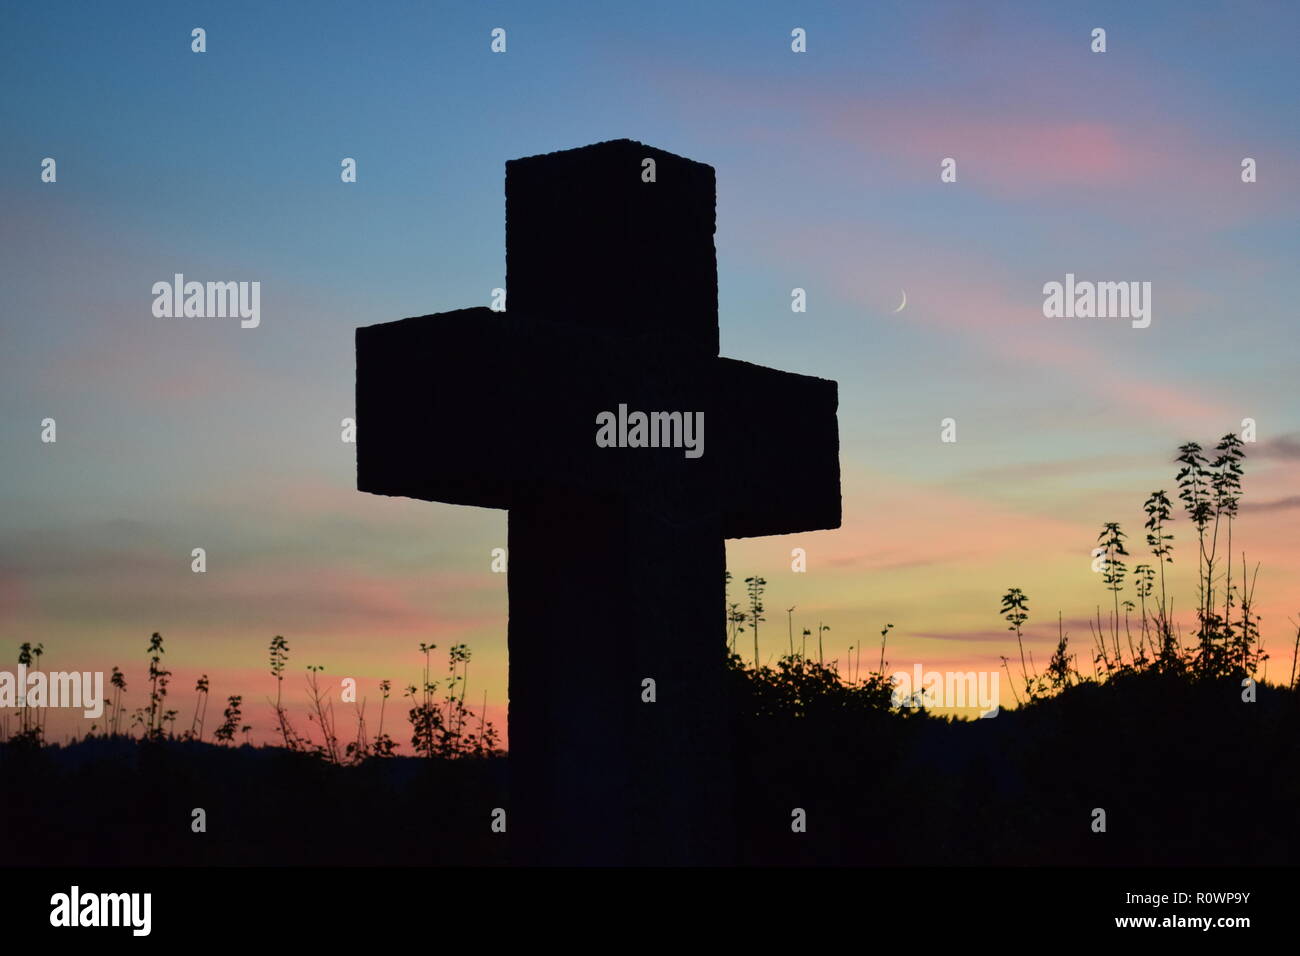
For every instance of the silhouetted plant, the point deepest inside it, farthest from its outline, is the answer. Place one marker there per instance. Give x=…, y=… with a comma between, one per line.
x=196, y=723
x=884, y=636
x=279, y=652
x=457, y=656
x=158, y=679
x=1159, y=512
x=1015, y=609
x=383, y=745
x=1212, y=493
x=1295, y=653
x=359, y=749
x=30, y=732
x=737, y=621
x=118, y=681
x=756, y=586
x=437, y=729
x=1113, y=574
x=1226, y=483
x=425, y=718
x=1058, y=670
x=200, y=688
x=1246, y=652
x=1194, y=489
x=322, y=711
x=735, y=616
x=1127, y=606
x=1144, y=578
x=1006, y=666
x=43, y=711
x=800, y=688
x=226, y=732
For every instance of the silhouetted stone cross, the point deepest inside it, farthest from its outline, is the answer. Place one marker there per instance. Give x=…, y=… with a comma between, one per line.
x=616, y=554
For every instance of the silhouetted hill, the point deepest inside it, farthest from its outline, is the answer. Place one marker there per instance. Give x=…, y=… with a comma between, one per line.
x=1186, y=771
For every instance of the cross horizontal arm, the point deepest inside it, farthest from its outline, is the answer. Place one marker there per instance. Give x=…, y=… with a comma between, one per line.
x=474, y=407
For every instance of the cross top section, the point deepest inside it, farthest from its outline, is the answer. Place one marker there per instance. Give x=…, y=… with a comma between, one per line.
x=591, y=243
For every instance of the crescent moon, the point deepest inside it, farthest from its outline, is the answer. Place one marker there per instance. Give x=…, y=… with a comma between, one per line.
x=903, y=303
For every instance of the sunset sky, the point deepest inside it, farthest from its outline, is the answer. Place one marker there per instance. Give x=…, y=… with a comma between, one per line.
x=181, y=433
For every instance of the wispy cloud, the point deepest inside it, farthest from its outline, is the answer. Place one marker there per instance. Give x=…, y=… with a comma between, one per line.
x=1282, y=448
x=1278, y=504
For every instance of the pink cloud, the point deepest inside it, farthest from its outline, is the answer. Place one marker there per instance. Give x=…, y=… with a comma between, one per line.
x=1011, y=156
